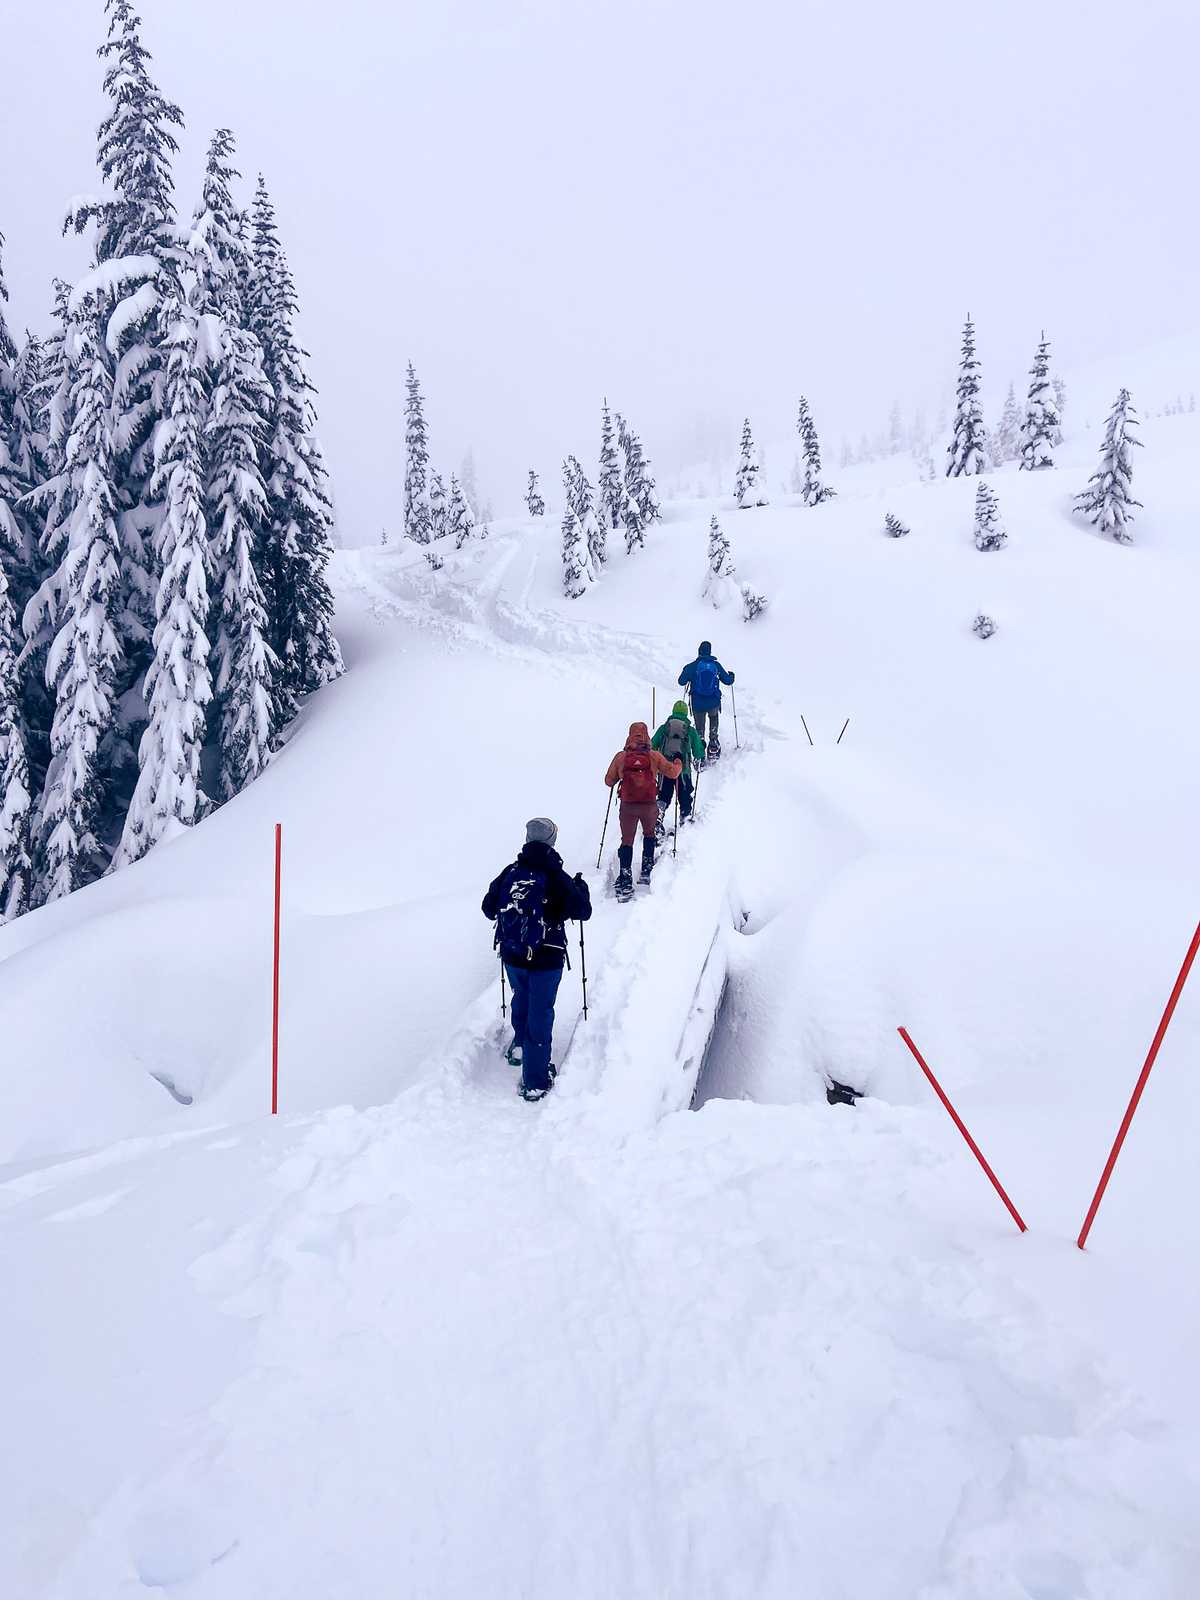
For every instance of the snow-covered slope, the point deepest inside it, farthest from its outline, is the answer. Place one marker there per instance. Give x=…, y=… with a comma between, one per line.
x=416, y=1337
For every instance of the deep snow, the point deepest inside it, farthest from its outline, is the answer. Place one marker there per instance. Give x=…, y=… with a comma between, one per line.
x=415, y=1337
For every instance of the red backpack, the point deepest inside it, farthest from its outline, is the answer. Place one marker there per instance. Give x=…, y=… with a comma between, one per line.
x=638, y=783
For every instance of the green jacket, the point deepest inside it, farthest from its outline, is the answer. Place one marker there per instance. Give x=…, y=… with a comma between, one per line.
x=693, y=746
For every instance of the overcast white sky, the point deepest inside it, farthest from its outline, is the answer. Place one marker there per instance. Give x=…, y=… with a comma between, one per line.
x=700, y=209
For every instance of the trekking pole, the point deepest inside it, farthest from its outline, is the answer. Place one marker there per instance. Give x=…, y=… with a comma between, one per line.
x=600, y=855
x=675, y=835
x=696, y=791
x=503, y=996
x=810, y=737
x=845, y=725
x=736, y=739
x=653, y=705
x=583, y=969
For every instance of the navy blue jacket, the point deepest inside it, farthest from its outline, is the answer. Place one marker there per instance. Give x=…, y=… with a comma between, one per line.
x=566, y=899
x=708, y=702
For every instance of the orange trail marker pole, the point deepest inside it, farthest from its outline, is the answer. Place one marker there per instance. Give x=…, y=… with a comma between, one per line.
x=962, y=1128
x=1143, y=1078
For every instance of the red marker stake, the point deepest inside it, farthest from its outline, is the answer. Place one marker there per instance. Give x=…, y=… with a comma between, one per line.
x=962, y=1128
x=1143, y=1078
x=275, y=990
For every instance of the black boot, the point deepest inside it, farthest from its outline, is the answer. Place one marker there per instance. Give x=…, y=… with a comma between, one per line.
x=647, y=860
x=660, y=827
x=624, y=885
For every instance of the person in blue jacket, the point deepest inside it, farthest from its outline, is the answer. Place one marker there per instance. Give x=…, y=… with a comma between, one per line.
x=703, y=678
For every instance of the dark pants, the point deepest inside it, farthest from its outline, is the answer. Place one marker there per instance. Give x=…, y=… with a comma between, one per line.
x=533, y=995
x=666, y=793
x=713, y=715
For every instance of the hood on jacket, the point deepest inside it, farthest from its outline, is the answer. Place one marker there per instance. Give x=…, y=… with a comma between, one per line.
x=680, y=709
x=705, y=649
x=639, y=737
x=537, y=853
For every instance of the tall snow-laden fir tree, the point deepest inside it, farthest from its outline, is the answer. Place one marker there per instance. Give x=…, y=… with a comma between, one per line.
x=748, y=490
x=813, y=490
x=967, y=451
x=437, y=506
x=299, y=523
x=245, y=671
x=640, y=489
x=1041, y=414
x=1108, y=500
x=610, y=496
x=169, y=793
x=16, y=799
x=81, y=603
x=18, y=542
x=581, y=503
x=416, y=463
x=989, y=530
x=460, y=522
x=135, y=235
x=719, y=585
x=579, y=566
x=533, y=496
x=1006, y=441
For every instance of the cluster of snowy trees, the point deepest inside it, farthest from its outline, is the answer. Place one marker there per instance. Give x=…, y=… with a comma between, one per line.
x=624, y=501
x=1107, y=501
x=165, y=517
x=433, y=516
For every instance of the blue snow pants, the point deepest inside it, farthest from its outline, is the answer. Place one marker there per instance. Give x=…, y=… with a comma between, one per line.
x=533, y=996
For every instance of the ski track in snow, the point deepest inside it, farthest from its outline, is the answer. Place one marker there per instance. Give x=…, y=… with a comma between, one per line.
x=596, y=1348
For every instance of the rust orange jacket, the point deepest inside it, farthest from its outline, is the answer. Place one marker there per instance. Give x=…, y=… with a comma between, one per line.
x=639, y=739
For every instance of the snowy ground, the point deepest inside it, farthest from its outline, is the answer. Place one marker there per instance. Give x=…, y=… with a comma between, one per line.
x=415, y=1337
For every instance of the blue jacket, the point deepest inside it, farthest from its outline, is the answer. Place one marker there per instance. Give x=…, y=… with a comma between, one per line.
x=705, y=702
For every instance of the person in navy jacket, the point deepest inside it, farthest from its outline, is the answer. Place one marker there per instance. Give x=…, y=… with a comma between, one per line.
x=703, y=679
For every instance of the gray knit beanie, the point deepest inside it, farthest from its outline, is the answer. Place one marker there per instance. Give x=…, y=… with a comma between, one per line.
x=540, y=830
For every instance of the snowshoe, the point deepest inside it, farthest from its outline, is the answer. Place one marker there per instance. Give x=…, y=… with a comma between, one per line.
x=624, y=886
x=841, y=1094
x=660, y=827
x=644, y=875
x=534, y=1095
x=514, y=1055
x=713, y=753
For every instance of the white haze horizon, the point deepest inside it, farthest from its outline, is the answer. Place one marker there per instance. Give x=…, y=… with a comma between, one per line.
x=699, y=212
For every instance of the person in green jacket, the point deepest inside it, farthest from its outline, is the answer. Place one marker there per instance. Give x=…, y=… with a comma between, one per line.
x=678, y=740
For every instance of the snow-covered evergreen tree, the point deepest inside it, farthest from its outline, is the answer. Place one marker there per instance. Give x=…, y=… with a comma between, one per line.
x=18, y=544
x=1060, y=405
x=135, y=237
x=610, y=496
x=533, y=496
x=1041, y=414
x=1006, y=440
x=299, y=524
x=989, y=530
x=16, y=799
x=967, y=451
x=813, y=490
x=250, y=710
x=747, y=489
x=893, y=527
x=437, y=506
x=169, y=792
x=719, y=586
x=416, y=463
x=581, y=503
x=641, y=494
x=80, y=605
x=470, y=487
x=1107, y=501
x=460, y=523
x=578, y=568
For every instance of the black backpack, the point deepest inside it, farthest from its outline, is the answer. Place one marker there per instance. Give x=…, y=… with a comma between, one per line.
x=521, y=923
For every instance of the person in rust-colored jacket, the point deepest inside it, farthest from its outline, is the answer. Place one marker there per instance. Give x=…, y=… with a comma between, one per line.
x=637, y=769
